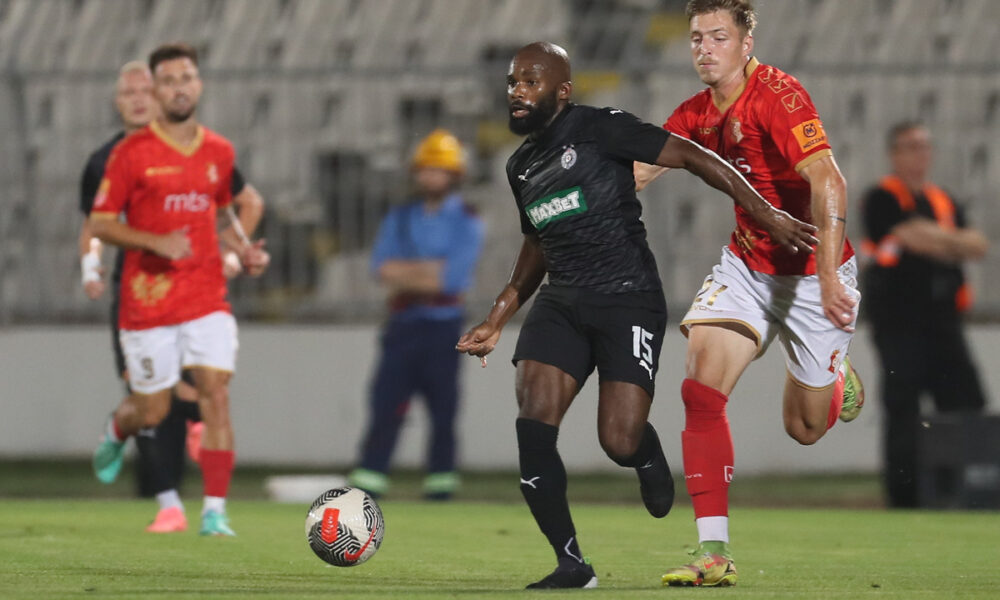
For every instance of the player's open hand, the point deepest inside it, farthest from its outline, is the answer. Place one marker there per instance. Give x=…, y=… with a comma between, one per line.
x=479, y=341
x=255, y=259
x=839, y=305
x=792, y=234
x=174, y=245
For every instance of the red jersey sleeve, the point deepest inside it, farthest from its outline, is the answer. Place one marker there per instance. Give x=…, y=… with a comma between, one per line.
x=113, y=192
x=793, y=123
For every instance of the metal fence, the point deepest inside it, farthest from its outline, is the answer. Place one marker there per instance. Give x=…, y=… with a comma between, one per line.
x=324, y=100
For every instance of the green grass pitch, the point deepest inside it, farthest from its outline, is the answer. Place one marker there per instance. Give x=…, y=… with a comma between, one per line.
x=97, y=549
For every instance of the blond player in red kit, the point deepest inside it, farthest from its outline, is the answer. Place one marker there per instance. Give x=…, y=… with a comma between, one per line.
x=763, y=122
x=171, y=181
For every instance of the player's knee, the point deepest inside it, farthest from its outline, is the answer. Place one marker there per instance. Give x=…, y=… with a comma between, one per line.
x=153, y=414
x=620, y=446
x=804, y=433
x=218, y=405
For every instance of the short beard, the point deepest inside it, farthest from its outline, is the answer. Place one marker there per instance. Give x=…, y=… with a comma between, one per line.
x=537, y=118
x=178, y=117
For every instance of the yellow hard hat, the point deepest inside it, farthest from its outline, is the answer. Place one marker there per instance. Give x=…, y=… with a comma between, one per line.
x=440, y=150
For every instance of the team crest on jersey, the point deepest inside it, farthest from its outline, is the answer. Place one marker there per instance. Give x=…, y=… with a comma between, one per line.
x=213, y=173
x=568, y=158
x=150, y=290
x=737, y=130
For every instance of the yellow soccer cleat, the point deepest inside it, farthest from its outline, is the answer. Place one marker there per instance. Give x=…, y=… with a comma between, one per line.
x=854, y=391
x=713, y=566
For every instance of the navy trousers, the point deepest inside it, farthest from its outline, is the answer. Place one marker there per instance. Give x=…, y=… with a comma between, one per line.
x=418, y=357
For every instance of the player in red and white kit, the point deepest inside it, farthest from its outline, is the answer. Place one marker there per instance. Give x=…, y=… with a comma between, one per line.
x=170, y=180
x=763, y=122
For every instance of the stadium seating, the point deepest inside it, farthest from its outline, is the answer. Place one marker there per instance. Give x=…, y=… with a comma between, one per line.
x=296, y=82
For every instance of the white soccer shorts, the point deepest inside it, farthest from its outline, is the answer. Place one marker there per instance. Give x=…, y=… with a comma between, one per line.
x=154, y=357
x=787, y=306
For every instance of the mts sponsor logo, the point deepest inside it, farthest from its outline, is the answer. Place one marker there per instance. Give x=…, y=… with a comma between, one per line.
x=556, y=206
x=189, y=202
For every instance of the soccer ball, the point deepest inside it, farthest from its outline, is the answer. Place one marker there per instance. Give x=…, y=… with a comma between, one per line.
x=344, y=526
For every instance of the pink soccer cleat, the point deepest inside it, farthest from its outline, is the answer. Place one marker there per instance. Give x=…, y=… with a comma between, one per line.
x=168, y=520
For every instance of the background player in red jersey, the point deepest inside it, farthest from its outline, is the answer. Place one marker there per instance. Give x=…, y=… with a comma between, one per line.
x=169, y=179
x=136, y=106
x=763, y=122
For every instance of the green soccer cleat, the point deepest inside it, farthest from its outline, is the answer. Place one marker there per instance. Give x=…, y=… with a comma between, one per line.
x=108, y=458
x=216, y=523
x=376, y=484
x=854, y=391
x=713, y=567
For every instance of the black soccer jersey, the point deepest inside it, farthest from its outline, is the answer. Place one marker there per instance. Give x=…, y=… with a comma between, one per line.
x=574, y=186
x=93, y=173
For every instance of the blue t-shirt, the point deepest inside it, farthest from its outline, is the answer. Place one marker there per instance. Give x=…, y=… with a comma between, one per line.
x=452, y=233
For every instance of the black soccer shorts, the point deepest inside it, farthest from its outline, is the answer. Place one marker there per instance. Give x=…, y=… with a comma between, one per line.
x=575, y=330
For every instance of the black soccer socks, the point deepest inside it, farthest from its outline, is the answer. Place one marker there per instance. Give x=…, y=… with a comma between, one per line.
x=655, y=481
x=543, y=484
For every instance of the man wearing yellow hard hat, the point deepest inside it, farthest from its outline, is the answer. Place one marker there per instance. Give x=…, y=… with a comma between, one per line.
x=425, y=256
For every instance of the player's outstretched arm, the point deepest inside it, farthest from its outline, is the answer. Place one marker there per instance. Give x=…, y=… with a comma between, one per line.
x=107, y=228
x=783, y=228
x=529, y=270
x=828, y=192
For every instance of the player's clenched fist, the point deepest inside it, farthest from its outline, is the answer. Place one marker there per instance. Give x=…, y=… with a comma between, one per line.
x=255, y=259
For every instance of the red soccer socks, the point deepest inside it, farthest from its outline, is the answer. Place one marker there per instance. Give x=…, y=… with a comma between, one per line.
x=708, y=449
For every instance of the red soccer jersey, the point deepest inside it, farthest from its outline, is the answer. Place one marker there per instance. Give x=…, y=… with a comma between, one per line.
x=161, y=186
x=769, y=132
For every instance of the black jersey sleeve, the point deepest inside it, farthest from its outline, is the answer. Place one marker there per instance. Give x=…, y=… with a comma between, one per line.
x=623, y=135
x=236, y=182
x=881, y=213
x=89, y=182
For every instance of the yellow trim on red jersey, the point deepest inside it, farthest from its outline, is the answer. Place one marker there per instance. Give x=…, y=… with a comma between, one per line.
x=747, y=71
x=188, y=150
x=805, y=162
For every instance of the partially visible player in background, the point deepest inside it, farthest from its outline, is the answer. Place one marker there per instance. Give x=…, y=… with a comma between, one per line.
x=136, y=106
x=170, y=179
x=763, y=122
x=425, y=255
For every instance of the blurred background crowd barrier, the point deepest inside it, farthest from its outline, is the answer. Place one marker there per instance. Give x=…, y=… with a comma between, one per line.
x=324, y=100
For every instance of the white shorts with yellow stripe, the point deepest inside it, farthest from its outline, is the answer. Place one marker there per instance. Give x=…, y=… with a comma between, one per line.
x=786, y=306
x=154, y=357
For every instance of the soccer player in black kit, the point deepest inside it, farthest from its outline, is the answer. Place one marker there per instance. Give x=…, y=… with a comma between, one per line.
x=603, y=306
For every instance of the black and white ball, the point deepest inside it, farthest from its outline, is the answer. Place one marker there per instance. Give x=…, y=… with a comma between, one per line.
x=344, y=526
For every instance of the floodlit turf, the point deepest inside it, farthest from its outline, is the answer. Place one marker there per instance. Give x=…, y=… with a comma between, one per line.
x=96, y=548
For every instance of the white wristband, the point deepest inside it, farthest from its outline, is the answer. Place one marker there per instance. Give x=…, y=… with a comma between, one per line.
x=90, y=268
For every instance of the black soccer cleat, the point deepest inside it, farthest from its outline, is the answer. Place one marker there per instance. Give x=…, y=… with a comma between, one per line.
x=656, y=484
x=567, y=576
